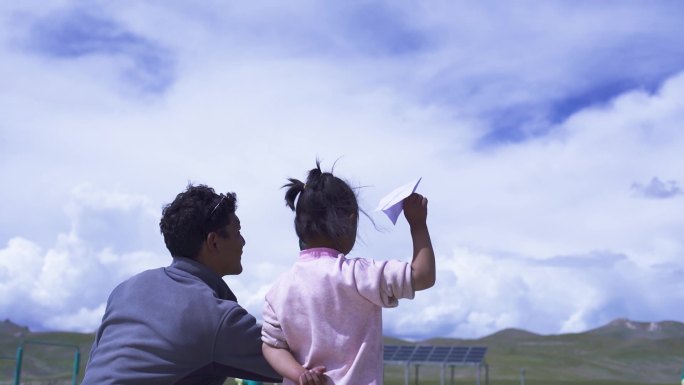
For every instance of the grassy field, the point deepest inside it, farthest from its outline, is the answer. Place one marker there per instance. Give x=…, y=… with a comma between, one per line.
x=43, y=364
x=622, y=352
x=617, y=354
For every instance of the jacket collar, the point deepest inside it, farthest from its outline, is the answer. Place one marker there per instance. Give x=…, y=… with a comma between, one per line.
x=319, y=252
x=204, y=273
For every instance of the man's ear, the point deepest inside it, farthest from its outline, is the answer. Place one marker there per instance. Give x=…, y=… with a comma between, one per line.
x=211, y=239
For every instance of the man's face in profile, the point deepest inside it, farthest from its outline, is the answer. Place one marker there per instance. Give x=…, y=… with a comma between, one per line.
x=230, y=244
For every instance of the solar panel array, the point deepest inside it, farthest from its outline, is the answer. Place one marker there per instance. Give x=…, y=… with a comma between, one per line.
x=463, y=355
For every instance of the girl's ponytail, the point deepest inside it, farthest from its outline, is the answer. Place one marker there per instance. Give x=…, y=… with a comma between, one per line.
x=294, y=188
x=315, y=173
x=315, y=177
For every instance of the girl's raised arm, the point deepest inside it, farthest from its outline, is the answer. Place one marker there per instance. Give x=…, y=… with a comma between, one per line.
x=423, y=265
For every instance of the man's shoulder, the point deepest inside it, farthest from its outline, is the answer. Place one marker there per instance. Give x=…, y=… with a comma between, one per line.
x=140, y=281
x=147, y=273
x=144, y=276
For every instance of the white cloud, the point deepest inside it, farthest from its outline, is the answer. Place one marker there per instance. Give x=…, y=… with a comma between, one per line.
x=81, y=320
x=19, y=264
x=478, y=294
x=658, y=189
x=67, y=284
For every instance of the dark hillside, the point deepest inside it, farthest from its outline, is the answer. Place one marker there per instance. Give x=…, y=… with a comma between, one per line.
x=9, y=329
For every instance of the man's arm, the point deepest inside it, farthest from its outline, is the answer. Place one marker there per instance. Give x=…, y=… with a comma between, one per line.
x=238, y=345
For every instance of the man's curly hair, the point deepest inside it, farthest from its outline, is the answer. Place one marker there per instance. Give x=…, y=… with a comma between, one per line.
x=196, y=212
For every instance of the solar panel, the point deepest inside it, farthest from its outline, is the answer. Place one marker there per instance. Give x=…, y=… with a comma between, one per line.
x=457, y=354
x=404, y=353
x=439, y=354
x=444, y=356
x=429, y=354
x=421, y=353
x=476, y=354
x=389, y=351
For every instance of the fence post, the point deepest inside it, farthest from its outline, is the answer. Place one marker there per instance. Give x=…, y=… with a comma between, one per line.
x=77, y=363
x=20, y=353
x=17, y=368
x=522, y=376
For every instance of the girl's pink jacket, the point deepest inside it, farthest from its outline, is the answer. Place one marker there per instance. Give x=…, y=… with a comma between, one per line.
x=327, y=310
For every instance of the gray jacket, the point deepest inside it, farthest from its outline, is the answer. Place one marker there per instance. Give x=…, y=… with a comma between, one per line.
x=176, y=325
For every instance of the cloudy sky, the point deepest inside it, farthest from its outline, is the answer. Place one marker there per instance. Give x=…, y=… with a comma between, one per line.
x=548, y=134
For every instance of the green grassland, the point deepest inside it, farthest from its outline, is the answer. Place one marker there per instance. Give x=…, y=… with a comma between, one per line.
x=620, y=353
x=41, y=364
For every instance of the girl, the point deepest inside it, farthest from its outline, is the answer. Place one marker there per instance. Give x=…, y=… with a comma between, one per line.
x=326, y=311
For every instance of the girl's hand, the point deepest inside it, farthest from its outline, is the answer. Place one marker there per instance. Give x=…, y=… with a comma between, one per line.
x=315, y=376
x=415, y=209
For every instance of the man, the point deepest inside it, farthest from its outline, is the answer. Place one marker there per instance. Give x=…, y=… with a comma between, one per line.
x=182, y=324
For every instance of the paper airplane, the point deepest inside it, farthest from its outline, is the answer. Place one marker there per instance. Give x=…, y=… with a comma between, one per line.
x=393, y=203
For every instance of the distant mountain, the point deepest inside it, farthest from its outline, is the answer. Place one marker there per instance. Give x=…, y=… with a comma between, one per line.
x=621, y=328
x=511, y=335
x=626, y=329
x=395, y=341
x=10, y=329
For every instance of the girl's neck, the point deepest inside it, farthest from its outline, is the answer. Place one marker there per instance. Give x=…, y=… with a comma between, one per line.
x=339, y=244
x=314, y=244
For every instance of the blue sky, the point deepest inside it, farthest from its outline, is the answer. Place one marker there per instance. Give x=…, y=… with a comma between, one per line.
x=548, y=136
